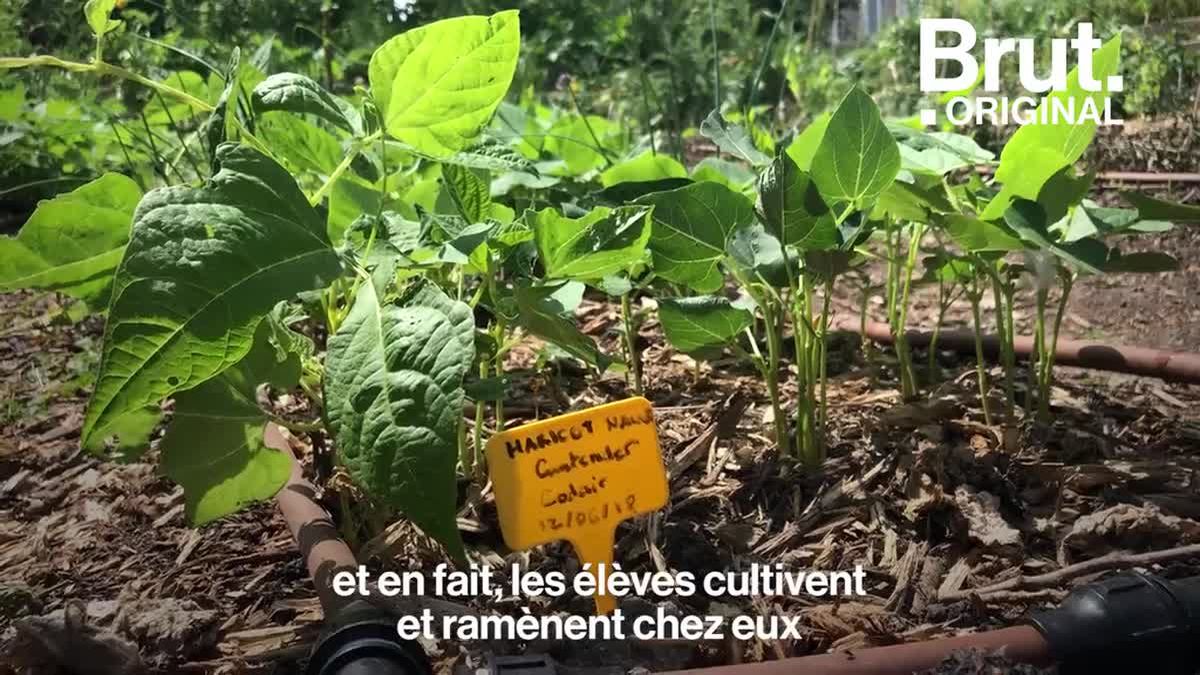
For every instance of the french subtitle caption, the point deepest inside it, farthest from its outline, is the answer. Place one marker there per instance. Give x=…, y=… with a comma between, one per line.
x=661, y=623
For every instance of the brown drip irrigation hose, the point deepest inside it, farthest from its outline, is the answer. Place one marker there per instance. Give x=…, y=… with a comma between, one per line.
x=312, y=528
x=1165, y=365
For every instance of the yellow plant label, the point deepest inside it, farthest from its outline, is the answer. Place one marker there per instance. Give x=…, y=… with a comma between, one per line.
x=576, y=476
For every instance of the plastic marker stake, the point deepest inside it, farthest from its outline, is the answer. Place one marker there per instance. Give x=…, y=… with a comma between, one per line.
x=577, y=476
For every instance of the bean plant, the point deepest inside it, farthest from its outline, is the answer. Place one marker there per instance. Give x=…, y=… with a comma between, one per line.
x=382, y=253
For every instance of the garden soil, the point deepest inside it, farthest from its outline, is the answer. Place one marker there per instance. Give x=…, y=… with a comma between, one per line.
x=100, y=571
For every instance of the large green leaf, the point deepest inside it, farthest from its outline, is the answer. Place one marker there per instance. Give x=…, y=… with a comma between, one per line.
x=393, y=395
x=694, y=324
x=758, y=253
x=202, y=267
x=692, y=226
x=469, y=192
x=602, y=242
x=1140, y=262
x=214, y=447
x=574, y=138
x=291, y=92
x=804, y=148
x=939, y=153
x=979, y=236
x=300, y=144
x=1150, y=208
x=72, y=243
x=1037, y=151
x=732, y=138
x=857, y=157
x=542, y=311
x=647, y=166
x=437, y=86
x=1028, y=220
x=792, y=208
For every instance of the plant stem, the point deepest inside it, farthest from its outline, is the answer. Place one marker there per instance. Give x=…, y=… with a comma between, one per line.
x=908, y=383
x=1051, y=351
x=937, y=330
x=868, y=348
x=631, y=348
x=1037, y=363
x=771, y=373
x=343, y=167
x=471, y=460
x=1004, y=319
x=824, y=360
x=975, y=295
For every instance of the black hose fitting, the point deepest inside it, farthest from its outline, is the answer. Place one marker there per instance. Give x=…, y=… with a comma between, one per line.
x=362, y=640
x=1129, y=623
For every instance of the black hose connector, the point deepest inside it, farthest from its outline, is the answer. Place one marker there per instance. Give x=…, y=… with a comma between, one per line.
x=362, y=640
x=1129, y=623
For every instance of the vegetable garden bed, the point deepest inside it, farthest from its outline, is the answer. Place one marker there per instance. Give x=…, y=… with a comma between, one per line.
x=395, y=277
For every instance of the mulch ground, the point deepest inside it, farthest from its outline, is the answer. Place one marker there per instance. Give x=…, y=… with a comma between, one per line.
x=99, y=570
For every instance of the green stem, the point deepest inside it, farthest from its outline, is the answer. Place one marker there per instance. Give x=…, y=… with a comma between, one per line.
x=470, y=461
x=907, y=377
x=101, y=68
x=1003, y=320
x=631, y=349
x=980, y=368
x=343, y=167
x=1037, y=364
x=1052, y=349
x=823, y=416
x=771, y=374
x=937, y=330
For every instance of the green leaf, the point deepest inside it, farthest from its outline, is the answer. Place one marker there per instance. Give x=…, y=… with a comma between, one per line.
x=647, y=166
x=603, y=242
x=791, y=206
x=1064, y=191
x=221, y=125
x=295, y=93
x=202, y=267
x=437, y=86
x=542, y=312
x=730, y=174
x=1150, y=208
x=939, y=153
x=732, y=138
x=74, y=242
x=857, y=157
x=571, y=139
x=470, y=193
x=622, y=193
x=758, y=252
x=1037, y=151
x=698, y=323
x=1028, y=220
x=465, y=247
x=491, y=155
x=979, y=236
x=214, y=446
x=1144, y=262
x=394, y=397
x=97, y=13
x=691, y=229
x=301, y=144
x=804, y=148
